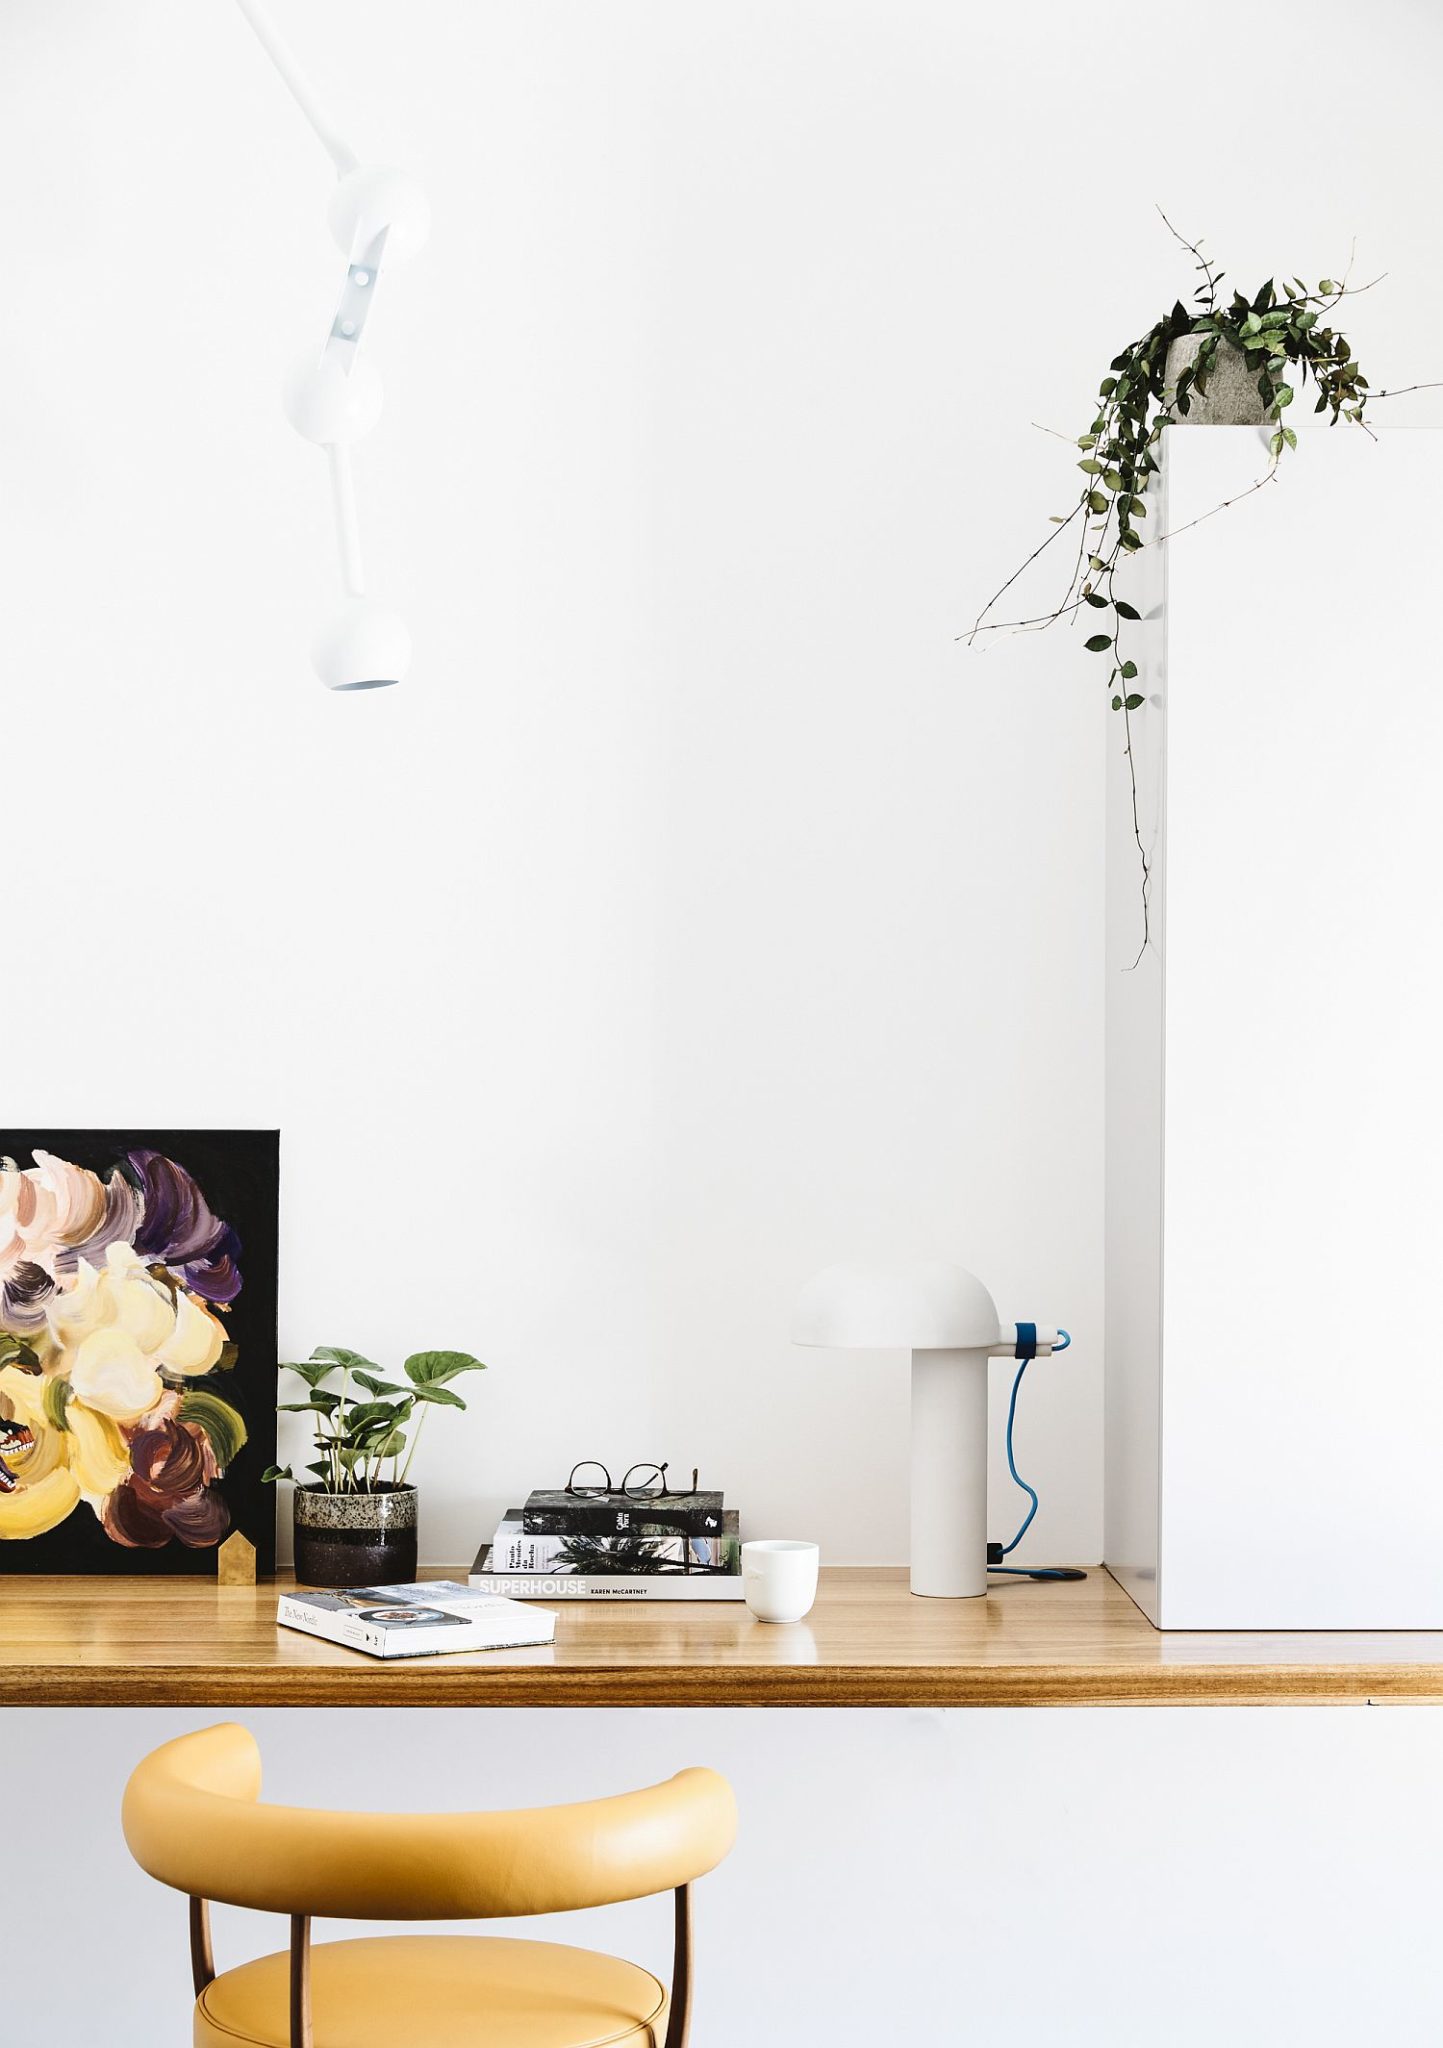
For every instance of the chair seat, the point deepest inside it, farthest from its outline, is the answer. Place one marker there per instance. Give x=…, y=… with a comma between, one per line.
x=440, y=1991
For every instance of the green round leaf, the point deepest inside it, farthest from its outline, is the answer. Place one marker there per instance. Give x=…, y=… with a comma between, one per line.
x=433, y=1368
x=443, y=1395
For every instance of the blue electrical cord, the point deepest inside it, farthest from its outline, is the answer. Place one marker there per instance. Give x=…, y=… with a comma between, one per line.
x=1017, y=1478
x=1019, y=1571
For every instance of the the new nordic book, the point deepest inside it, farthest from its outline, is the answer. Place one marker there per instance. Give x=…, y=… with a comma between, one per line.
x=552, y=1511
x=513, y=1550
x=576, y=1585
x=416, y=1620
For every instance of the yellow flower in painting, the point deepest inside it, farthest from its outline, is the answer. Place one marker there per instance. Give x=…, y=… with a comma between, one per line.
x=85, y=1458
x=116, y=1331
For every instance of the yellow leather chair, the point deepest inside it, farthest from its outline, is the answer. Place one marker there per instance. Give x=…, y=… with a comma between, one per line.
x=192, y=1819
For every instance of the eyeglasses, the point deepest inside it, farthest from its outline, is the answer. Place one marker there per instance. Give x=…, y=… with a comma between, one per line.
x=645, y=1481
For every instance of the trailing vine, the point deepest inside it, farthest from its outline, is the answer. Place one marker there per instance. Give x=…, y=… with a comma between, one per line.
x=1285, y=338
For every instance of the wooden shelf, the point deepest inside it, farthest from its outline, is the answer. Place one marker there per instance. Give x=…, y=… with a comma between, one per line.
x=867, y=1643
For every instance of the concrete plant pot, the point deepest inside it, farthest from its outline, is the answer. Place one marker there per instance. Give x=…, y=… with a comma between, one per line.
x=355, y=1539
x=1232, y=398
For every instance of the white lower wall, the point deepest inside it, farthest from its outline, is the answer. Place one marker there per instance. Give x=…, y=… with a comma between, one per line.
x=1119, y=1878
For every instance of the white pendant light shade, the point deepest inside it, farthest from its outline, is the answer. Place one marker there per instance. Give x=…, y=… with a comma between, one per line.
x=363, y=646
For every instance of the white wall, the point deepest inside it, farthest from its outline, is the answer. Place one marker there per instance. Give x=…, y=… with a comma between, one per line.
x=700, y=911
x=1107, y=1880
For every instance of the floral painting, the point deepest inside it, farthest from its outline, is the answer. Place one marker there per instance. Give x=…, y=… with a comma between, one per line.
x=137, y=1348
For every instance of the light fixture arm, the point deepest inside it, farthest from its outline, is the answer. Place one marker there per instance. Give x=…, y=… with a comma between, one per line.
x=301, y=90
x=375, y=214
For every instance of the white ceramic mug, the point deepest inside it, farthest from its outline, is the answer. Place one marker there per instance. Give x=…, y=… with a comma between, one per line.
x=779, y=1579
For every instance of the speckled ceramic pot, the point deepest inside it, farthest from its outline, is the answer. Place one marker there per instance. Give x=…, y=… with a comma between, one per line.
x=355, y=1539
x=1232, y=400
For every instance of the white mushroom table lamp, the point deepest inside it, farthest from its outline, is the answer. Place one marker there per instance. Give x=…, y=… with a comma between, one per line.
x=946, y=1318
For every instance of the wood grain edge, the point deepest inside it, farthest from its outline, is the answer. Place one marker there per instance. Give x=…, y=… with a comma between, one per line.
x=690, y=1686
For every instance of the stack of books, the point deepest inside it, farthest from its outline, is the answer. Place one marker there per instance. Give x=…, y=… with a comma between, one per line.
x=614, y=1546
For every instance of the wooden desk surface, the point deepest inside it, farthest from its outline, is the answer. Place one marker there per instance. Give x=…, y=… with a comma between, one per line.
x=867, y=1643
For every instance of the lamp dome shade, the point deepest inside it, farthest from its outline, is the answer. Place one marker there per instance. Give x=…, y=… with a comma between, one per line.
x=931, y=1306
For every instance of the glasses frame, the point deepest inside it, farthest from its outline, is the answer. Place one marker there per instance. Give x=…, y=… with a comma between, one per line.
x=630, y=1488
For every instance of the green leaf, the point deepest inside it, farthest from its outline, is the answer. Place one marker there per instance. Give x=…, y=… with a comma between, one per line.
x=1099, y=643
x=1117, y=703
x=1096, y=502
x=1092, y=467
x=1106, y=388
x=369, y=1381
x=311, y=1370
x=1127, y=611
x=1087, y=440
x=224, y=1429
x=1290, y=437
x=366, y=1414
x=1131, y=703
x=1129, y=671
x=442, y=1395
x=433, y=1368
x=352, y=1361
x=1326, y=287
x=1283, y=395
x=319, y=1404
x=1130, y=540
x=1275, y=446
x=1091, y=597
x=274, y=1472
x=1111, y=478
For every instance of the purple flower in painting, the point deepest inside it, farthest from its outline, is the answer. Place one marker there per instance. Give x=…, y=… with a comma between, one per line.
x=115, y=1225
x=178, y=1229
x=170, y=1491
x=23, y=1297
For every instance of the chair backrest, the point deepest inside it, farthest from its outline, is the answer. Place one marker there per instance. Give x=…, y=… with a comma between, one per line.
x=192, y=1819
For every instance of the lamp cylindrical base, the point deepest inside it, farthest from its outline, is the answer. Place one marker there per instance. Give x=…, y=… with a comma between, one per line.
x=949, y=1474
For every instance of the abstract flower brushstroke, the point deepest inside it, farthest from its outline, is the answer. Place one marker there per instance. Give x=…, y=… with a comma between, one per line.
x=113, y=1351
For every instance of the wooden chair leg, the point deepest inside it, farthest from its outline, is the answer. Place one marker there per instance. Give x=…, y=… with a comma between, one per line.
x=202, y=1958
x=301, y=2036
x=678, y=2025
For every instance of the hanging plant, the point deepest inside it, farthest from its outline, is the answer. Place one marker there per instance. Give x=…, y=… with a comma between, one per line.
x=1264, y=350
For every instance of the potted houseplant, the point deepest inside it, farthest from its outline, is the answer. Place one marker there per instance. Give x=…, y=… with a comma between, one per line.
x=1238, y=361
x=355, y=1519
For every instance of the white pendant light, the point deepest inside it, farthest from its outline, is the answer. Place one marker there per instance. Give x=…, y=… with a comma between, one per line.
x=379, y=217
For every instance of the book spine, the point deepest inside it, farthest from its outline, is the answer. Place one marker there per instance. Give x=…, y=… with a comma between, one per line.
x=598, y=1518
x=515, y=1551
x=344, y=1629
x=619, y=1586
